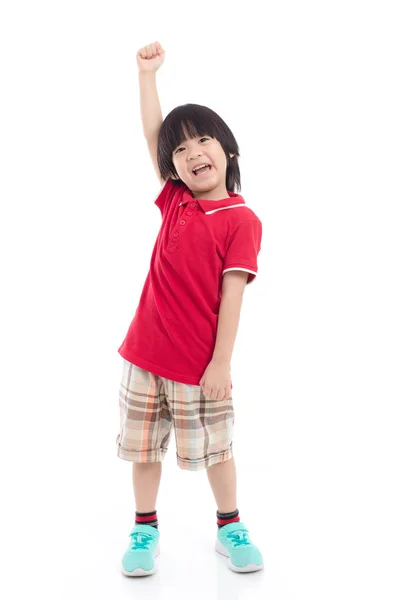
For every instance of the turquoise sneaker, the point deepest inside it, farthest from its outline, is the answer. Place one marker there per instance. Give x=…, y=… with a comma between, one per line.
x=144, y=547
x=233, y=541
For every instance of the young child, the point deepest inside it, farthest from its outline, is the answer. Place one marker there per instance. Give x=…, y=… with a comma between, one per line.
x=177, y=351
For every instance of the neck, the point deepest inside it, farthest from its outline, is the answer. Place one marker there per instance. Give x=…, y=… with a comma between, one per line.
x=218, y=193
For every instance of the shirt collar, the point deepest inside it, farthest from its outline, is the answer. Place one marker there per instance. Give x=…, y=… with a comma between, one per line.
x=212, y=206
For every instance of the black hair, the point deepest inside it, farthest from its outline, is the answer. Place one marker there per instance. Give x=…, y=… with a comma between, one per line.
x=198, y=120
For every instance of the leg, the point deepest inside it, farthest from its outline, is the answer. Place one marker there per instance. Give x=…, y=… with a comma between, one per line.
x=144, y=547
x=222, y=478
x=145, y=427
x=146, y=482
x=232, y=538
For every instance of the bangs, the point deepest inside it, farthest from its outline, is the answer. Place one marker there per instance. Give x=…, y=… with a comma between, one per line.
x=195, y=120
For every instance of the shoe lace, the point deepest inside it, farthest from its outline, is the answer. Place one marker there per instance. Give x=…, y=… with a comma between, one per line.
x=239, y=538
x=140, y=540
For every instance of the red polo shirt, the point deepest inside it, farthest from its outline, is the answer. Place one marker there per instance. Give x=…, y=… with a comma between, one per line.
x=174, y=329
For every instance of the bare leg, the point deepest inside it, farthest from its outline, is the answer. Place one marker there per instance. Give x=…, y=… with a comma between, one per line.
x=146, y=482
x=222, y=478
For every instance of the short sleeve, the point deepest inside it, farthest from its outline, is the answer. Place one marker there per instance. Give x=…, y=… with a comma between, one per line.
x=165, y=196
x=243, y=249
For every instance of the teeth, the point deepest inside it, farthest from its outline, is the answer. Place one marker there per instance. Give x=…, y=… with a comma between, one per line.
x=200, y=166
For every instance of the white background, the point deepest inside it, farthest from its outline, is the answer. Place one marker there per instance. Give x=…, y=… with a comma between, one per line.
x=311, y=93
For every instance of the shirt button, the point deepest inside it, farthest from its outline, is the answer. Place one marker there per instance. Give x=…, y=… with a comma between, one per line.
x=189, y=212
x=193, y=204
x=176, y=234
x=182, y=222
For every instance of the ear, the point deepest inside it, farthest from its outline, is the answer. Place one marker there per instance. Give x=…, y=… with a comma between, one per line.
x=231, y=155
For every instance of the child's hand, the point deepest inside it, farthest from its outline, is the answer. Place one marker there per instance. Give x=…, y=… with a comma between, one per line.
x=150, y=58
x=216, y=381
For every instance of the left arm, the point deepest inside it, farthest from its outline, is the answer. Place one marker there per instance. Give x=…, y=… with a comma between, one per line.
x=216, y=378
x=233, y=286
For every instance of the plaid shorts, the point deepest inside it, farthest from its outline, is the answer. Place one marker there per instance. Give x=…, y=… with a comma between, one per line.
x=150, y=405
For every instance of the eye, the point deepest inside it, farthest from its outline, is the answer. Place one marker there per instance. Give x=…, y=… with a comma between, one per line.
x=182, y=147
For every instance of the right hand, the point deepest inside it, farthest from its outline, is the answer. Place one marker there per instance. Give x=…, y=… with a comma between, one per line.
x=150, y=58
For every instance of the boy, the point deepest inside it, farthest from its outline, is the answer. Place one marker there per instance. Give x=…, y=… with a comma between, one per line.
x=177, y=352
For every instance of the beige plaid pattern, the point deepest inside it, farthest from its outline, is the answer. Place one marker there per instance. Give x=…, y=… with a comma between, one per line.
x=151, y=406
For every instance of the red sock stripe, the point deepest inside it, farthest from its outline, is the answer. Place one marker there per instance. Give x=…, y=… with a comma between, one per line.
x=145, y=519
x=226, y=521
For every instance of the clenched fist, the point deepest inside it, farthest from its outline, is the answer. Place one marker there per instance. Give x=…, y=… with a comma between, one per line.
x=150, y=58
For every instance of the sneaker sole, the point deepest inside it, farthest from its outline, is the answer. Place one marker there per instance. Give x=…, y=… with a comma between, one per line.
x=141, y=572
x=247, y=569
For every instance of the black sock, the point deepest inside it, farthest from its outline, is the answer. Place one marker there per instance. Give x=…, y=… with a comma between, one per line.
x=225, y=518
x=146, y=519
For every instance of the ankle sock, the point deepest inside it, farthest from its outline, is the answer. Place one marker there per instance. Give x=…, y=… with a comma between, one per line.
x=225, y=518
x=146, y=518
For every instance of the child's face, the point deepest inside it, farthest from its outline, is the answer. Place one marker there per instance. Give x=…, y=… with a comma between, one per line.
x=194, y=151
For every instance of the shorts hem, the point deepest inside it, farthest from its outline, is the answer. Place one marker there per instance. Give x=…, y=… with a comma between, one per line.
x=203, y=463
x=141, y=456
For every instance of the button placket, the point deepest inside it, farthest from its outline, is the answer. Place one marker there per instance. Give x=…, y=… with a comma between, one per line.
x=173, y=243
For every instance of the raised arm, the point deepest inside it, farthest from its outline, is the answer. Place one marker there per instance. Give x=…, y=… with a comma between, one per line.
x=149, y=60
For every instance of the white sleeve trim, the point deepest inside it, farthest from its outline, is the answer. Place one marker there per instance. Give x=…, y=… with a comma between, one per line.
x=241, y=269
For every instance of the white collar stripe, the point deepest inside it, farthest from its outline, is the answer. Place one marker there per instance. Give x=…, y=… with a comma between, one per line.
x=210, y=212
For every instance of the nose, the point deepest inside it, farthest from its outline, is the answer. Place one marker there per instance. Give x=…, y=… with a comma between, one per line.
x=194, y=153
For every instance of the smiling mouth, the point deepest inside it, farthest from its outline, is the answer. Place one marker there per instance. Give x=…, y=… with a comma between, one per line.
x=201, y=171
